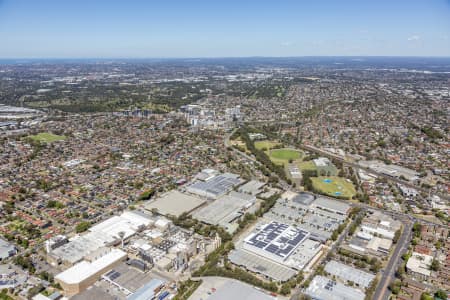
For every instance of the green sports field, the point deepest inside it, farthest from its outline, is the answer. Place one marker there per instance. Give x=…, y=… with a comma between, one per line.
x=266, y=144
x=47, y=137
x=282, y=156
x=334, y=186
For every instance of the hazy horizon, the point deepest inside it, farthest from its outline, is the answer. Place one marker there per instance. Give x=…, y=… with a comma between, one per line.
x=51, y=29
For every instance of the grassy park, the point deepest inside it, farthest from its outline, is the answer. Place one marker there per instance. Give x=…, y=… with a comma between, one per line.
x=334, y=186
x=307, y=166
x=267, y=145
x=47, y=137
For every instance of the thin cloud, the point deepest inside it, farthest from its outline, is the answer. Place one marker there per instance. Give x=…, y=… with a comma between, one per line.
x=287, y=44
x=414, y=38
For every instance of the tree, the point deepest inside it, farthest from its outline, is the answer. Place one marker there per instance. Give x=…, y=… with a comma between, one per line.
x=146, y=194
x=434, y=265
x=55, y=204
x=417, y=228
x=441, y=295
x=396, y=236
x=285, y=289
x=82, y=226
x=301, y=297
x=426, y=296
x=395, y=287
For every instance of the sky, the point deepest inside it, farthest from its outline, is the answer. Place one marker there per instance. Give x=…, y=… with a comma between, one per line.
x=227, y=28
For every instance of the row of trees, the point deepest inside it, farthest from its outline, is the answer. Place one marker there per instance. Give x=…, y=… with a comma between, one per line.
x=186, y=221
x=186, y=288
x=261, y=155
x=362, y=260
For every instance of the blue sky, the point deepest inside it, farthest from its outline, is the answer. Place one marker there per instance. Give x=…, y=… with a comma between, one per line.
x=191, y=28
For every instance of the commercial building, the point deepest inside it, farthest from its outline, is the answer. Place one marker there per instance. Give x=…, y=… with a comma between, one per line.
x=349, y=274
x=83, y=274
x=6, y=249
x=305, y=255
x=322, y=288
x=55, y=242
x=418, y=266
x=375, y=235
x=10, y=277
x=325, y=167
x=377, y=223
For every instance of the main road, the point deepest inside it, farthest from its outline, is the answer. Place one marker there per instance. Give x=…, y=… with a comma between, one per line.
x=382, y=292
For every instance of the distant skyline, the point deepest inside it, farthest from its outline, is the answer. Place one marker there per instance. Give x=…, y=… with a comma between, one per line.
x=182, y=29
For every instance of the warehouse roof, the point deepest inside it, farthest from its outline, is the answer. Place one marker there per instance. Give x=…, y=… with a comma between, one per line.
x=216, y=186
x=238, y=290
x=223, y=207
x=85, y=269
x=324, y=288
x=277, y=239
x=147, y=291
x=331, y=205
x=128, y=222
x=175, y=203
x=100, y=235
x=252, y=187
x=349, y=273
x=261, y=265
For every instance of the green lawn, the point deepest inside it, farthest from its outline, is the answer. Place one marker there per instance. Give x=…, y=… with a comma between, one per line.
x=282, y=156
x=336, y=187
x=266, y=144
x=47, y=137
x=307, y=166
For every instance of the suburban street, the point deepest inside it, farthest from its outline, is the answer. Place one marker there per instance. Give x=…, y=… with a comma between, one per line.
x=382, y=292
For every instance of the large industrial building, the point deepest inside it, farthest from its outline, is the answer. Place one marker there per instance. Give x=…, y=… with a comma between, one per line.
x=212, y=185
x=253, y=187
x=275, y=241
x=319, y=216
x=175, y=203
x=391, y=170
x=225, y=210
x=85, y=273
x=277, y=251
x=106, y=233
